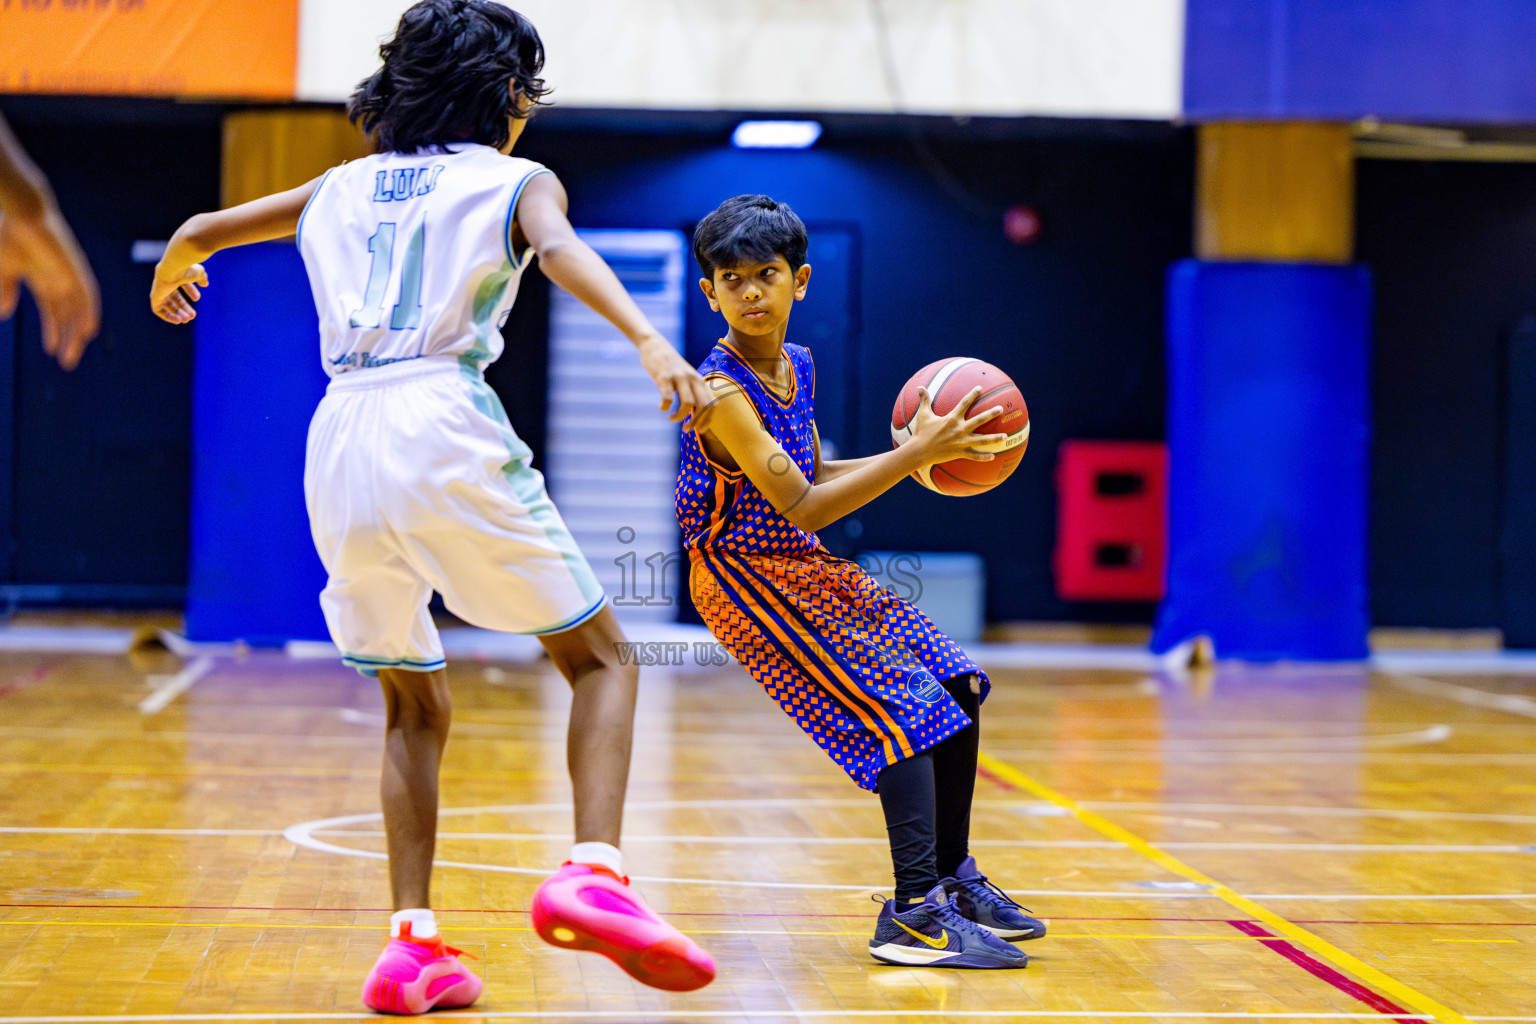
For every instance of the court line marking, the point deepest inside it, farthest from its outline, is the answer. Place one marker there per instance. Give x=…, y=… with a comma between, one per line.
x=1312, y=943
x=28, y=679
x=1195, y=757
x=745, y=1015
x=304, y=834
x=463, y=929
x=1469, y=695
x=483, y=720
x=1026, y=805
x=565, y=837
x=1259, y=744
x=803, y=775
x=1437, y=733
x=1516, y=941
x=64, y=831
x=62, y=905
x=1324, y=972
x=174, y=686
x=1402, y=814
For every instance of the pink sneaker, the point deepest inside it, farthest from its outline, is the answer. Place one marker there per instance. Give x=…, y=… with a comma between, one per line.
x=586, y=906
x=415, y=975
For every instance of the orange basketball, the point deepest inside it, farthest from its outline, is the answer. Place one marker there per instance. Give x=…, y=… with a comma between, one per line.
x=948, y=381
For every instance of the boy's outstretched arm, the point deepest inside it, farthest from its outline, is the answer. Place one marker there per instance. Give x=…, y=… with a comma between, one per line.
x=736, y=427
x=180, y=270
x=38, y=249
x=573, y=265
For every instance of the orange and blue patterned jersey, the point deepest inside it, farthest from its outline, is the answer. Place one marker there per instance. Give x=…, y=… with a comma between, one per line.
x=863, y=672
x=723, y=510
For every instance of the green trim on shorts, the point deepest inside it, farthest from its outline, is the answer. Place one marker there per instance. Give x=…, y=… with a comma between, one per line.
x=527, y=485
x=573, y=621
x=526, y=482
x=369, y=666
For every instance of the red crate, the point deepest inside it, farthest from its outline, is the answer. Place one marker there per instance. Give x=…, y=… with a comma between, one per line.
x=1111, y=520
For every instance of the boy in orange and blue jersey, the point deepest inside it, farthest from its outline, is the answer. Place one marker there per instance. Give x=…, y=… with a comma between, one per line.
x=891, y=699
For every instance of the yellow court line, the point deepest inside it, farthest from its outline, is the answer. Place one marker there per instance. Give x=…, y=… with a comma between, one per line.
x=463, y=930
x=1327, y=950
x=458, y=930
x=1474, y=940
x=237, y=771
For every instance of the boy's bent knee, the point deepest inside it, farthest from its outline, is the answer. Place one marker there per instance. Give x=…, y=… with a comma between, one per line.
x=596, y=645
x=416, y=697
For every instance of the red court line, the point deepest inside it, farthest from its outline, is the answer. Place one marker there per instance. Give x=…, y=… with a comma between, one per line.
x=982, y=772
x=1433, y=924
x=714, y=913
x=31, y=678
x=1315, y=967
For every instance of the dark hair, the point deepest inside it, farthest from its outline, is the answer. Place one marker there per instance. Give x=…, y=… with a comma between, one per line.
x=747, y=228
x=445, y=76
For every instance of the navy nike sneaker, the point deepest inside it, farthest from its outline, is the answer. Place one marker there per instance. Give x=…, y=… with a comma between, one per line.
x=933, y=934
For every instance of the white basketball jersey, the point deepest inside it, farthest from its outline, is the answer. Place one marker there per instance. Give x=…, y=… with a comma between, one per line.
x=410, y=255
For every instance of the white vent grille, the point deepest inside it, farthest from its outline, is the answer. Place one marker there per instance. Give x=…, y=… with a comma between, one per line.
x=611, y=457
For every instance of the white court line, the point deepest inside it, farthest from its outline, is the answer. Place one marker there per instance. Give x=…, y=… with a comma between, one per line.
x=1321, y=812
x=1190, y=757
x=1439, y=897
x=354, y=717
x=753, y=1015
x=817, y=840
x=1507, y=702
x=304, y=834
x=61, y=831
x=1455, y=663
x=65, y=639
x=1229, y=745
x=175, y=686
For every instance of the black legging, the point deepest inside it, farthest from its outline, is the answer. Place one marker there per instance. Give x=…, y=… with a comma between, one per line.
x=927, y=802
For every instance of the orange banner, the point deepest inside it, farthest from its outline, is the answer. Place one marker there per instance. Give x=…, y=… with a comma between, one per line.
x=187, y=48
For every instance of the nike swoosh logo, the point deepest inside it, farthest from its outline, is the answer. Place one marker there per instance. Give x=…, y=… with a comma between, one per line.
x=935, y=943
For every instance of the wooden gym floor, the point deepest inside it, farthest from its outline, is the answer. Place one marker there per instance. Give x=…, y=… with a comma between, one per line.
x=198, y=841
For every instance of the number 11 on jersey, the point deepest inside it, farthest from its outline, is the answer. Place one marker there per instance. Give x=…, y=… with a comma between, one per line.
x=407, y=312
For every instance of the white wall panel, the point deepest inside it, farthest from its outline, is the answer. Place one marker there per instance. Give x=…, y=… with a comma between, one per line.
x=1087, y=58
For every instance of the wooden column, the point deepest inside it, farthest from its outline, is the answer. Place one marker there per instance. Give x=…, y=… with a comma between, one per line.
x=267, y=151
x=1275, y=192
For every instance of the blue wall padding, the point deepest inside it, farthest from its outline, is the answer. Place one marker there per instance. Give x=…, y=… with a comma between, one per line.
x=1467, y=60
x=253, y=573
x=1268, y=435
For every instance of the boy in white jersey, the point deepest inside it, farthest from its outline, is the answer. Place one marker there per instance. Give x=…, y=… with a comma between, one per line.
x=415, y=481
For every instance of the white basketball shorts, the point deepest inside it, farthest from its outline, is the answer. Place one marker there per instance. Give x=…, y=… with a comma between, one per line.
x=415, y=482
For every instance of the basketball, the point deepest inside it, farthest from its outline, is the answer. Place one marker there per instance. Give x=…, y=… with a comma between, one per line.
x=948, y=382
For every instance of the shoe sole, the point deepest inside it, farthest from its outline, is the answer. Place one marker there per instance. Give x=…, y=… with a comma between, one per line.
x=1013, y=934
x=907, y=956
x=670, y=963
x=385, y=995
x=664, y=965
